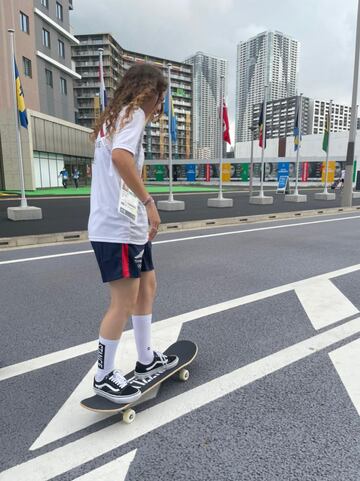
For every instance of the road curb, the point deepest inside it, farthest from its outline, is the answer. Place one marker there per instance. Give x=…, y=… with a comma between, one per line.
x=31, y=240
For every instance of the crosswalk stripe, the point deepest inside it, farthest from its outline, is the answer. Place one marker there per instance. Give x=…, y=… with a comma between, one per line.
x=346, y=360
x=56, y=462
x=117, y=469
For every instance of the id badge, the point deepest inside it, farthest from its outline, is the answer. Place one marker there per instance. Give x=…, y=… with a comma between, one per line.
x=128, y=202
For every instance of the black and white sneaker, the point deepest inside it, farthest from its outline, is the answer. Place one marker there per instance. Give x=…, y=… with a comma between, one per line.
x=160, y=363
x=116, y=388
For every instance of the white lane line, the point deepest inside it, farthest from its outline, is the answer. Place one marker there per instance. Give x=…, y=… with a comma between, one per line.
x=183, y=239
x=346, y=361
x=59, y=356
x=40, y=258
x=324, y=303
x=47, y=360
x=63, y=459
x=117, y=469
x=69, y=419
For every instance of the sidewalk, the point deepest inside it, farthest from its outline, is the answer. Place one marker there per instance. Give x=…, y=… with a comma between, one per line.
x=71, y=214
x=85, y=191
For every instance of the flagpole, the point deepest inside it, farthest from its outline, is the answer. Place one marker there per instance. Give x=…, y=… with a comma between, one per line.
x=221, y=136
x=328, y=149
x=18, y=137
x=170, y=113
x=101, y=75
x=221, y=201
x=298, y=147
x=347, y=194
x=171, y=203
x=261, y=198
x=261, y=194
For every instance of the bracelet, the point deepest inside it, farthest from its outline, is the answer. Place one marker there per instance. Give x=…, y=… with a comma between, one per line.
x=149, y=200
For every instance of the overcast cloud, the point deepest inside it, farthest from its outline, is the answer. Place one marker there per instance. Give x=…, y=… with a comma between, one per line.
x=176, y=29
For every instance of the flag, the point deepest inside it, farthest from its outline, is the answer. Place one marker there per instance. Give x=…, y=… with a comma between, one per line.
x=325, y=145
x=296, y=130
x=20, y=99
x=173, y=120
x=262, y=137
x=103, y=96
x=226, y=126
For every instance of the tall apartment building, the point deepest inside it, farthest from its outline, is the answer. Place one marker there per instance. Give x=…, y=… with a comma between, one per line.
x=43, y=54
x=270, y=58
x=117, y=61
x=280, y=117
x=340, y=118
x=207, y=72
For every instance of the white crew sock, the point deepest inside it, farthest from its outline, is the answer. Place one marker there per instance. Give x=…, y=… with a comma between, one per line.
x=106, y=357
x=142, y=333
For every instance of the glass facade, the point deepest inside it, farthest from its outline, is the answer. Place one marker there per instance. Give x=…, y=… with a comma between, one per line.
x=48, y=165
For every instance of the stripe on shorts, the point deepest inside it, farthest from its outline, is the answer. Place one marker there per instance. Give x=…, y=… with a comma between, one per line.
x=125, y=260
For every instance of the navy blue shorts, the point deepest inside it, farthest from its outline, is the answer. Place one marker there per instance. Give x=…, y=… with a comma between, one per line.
x=122, y=261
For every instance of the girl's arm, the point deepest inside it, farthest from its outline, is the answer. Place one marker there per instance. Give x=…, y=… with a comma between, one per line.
x=125, y=164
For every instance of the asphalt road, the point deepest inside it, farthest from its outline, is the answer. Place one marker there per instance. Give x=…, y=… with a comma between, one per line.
x=273, y=394
x=71, y=214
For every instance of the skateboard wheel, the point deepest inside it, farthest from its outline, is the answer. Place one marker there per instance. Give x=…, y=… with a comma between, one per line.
x=129, y=416
x=184, y=375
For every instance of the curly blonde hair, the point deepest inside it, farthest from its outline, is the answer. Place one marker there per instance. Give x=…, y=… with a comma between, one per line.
x=140, y=83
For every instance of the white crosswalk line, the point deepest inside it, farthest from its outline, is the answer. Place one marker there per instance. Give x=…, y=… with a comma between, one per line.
x=18, y=369
x=346, y=361
x=117, y=469
x=324, y=303
x=54, y=463
x=71, y=417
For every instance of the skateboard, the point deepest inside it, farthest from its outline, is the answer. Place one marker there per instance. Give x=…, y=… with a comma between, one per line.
x=186, y=352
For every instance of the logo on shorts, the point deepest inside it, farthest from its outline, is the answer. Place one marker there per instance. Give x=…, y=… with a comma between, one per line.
x=138, y=259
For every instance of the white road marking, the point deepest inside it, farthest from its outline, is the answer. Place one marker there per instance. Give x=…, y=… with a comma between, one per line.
x=59, y=356
x=183, y=239
x=47, y=360
x=113, y=471
x=346, y=360
x=63, y=459
x=324, y=303
x=71, y=417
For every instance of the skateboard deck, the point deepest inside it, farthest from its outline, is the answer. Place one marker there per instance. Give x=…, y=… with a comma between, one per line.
x=186, y=352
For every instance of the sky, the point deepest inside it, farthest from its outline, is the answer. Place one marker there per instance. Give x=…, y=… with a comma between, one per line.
x=176, y=29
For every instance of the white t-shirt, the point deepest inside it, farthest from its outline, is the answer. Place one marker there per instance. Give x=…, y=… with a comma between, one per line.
x=343, y=173
x=106, y=223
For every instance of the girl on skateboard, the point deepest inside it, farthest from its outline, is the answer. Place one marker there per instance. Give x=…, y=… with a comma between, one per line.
x=123, y=221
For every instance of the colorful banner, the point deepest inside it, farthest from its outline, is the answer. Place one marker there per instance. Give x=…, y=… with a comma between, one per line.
x=305, y=172
x=190, y=172
x=283, y=169
x=226, y=171
x=207, y=173
x=331, y=171
x=159, y=173
x=244, y=172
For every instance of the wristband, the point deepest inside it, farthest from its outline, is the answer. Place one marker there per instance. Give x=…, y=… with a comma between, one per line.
x=148, y=201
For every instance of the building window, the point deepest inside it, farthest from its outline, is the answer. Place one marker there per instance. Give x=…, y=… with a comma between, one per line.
x=49, y=77
x=27, y=67
x=63, y=86
x=24, y=23
x=61, y=46
x=45, y=3
x=46, y=38
x=59, y=11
